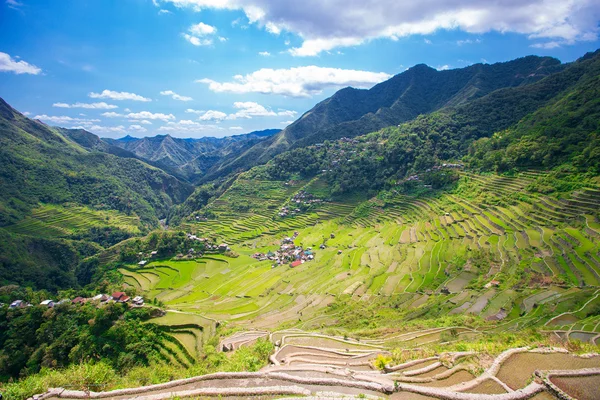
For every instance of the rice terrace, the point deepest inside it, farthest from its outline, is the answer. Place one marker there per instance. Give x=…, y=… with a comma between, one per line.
x=253, y=199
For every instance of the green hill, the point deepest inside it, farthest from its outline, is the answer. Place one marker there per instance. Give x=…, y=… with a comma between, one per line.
x=419, y=90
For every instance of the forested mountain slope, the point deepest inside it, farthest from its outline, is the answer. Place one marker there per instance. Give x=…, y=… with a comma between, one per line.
x=68, y=200
x=419, y=90
x=189, y=158
x=557, y=122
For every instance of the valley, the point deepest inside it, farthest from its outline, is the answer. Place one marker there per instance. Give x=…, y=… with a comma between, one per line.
x=425, y=244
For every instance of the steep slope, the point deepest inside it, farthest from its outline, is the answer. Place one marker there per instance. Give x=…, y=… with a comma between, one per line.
x=419, y=90
x=189, y=158
x=61, y=202
x=568, y=97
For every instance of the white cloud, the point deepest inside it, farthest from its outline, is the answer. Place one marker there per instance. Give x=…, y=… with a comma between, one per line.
x=324, y=25
x=127, y=110
x=142, y=115
x=163, y=11
x=442, y=67
x=186, y=127
x=247, y=109
x=190, y=110
x=427, y=41
x=286, y=123
x=107, y=129
x=287, y=113
x=147, y=115
x=547, y=45
x=212, y=115
x=144, y=121
x=468, y=41
x=26, y=113
x=111, y=114
x=109, y=94
x=198, y=32
x=14, y=4
x=137, y=128
x=296, y=82
x=264, y=53
x=175, y=96
x=202, y=29
x=8, y=64
x=236, y=128
x=65, y=120
x=197, y=41
x=98, y=106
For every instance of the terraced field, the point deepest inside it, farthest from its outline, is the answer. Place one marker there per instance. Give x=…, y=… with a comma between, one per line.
x=433, y=251
x=333, y=367
x=63, y=221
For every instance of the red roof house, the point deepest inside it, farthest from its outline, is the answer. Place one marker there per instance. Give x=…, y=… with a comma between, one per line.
x=296, y=263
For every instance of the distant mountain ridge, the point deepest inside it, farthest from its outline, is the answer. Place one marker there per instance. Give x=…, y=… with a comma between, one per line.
x=188, y=158
x=419, y=90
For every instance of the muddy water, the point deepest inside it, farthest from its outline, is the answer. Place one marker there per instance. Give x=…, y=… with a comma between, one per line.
x=489, y=386
x=581, y=388
x=519, y=368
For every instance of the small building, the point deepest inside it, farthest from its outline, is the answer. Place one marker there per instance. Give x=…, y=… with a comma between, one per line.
x=102, y=298
x=296, y=263
x=223, y=247
x=138, y=301
x=494, y=283
x=47, y=303
x=18, y=304
x=78, y=300
x=120, y=297
x=142, y=263
x=153, y=253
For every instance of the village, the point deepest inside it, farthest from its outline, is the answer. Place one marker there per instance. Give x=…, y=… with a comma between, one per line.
x=98, y=300
x=288, y=253
x=302, y=201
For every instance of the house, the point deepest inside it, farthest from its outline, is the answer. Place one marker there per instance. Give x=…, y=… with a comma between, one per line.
x=152, y=254
x=79, y=300
x=296, y=263
x=494, y=283
x=142, y=263
x=119, y=296
x=63, y=301
x=102, y=298
x=47, y=303
x=223, y=247
x=18, y=304
x=138, y=301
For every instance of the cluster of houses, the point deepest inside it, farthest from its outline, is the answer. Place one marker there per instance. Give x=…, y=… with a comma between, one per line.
x=434, y=168
x=288, y=253
x=301, y=200
x=116, y=297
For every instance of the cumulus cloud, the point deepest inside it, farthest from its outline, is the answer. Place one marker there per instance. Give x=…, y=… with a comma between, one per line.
x=109, y=94
x=175, y=96
x=236, y=128
x=98, y=106
x=325, y=25
x=137, y=128
x=200, y=34
x=65, y=120
x=9, y=64
x=163, y=11
x=142, y=115
x=187, y=127
x=264, y=53
x=190, y=110
x=107, y=129
x=296, y=82
x=247, y=110
x=212, y=115
x=442, y=67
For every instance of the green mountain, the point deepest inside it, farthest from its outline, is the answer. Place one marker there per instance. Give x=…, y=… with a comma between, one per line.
x=189, y=158
x=419, y=90
x=68, y=199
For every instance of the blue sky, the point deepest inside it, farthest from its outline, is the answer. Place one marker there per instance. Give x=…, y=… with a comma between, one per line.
x=193, y=68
